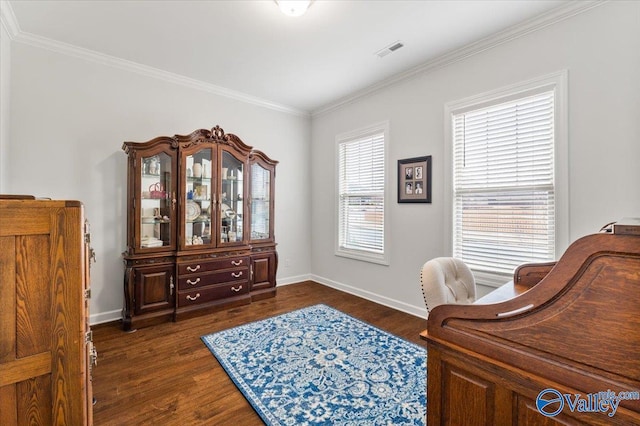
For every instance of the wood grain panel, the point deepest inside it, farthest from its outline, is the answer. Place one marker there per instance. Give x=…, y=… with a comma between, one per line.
x=25, y=368
x=15, y=222
x=153, y=289
x=528, y=415
x=8, y=412
x=586, y=301
x=261, y=273
x=34, y=402
x=7, y=299
x=66, y=266
x=8, y=403
x=33, y=295
x=587, y=304
x=471, y=410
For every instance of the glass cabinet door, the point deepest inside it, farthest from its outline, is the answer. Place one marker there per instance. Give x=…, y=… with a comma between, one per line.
x=199, y=203
x=260, y=202
x=231, y=199
x=157, y=209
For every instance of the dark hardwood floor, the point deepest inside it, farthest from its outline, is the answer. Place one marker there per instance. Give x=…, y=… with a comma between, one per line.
x=165, y=375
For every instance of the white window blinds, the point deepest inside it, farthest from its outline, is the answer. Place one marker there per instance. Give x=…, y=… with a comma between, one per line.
x=361, y=186
x=503, y=184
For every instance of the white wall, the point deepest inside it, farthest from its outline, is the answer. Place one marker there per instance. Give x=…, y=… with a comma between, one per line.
x=600, y=49
x=62, y=137
x=69, y=117
x=5, y=96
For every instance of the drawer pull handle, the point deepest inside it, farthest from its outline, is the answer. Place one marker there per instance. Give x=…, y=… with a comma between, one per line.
x=234, y=275
x=190, y=269
x=193, y=282
x=236, y=262
x=237, y=289
x=194, y=297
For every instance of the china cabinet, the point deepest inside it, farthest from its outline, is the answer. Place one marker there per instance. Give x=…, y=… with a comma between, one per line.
x=199, y=226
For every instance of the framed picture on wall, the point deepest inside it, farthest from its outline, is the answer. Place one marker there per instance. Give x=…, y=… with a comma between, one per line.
x=414, y=180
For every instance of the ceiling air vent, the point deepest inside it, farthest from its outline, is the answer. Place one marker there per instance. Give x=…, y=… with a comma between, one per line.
x=391, y=48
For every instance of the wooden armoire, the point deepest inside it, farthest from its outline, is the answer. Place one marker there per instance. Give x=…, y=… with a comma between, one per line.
x=46, y=350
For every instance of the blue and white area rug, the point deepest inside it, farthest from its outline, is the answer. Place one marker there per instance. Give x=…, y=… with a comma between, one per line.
x=319, y=366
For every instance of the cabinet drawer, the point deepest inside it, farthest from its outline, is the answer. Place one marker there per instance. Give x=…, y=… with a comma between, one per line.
x=198, y=266
x=207, y=294
x=201, y=280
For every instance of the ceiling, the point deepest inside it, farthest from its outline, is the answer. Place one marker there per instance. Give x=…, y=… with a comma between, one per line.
x=250, y=49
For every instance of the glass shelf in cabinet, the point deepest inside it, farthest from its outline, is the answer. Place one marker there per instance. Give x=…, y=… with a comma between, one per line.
x=198, y=220
x=259, y=236
x=153, y=245
x=153, y=221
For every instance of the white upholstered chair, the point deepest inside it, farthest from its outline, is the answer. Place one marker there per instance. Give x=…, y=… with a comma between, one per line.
x=447, y=280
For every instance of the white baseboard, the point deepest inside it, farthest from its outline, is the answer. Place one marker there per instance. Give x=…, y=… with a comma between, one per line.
x=418, y=311
x=293, y=280
x=103, y=317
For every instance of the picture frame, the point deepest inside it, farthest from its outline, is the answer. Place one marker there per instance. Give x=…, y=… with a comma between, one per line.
x=414, y=180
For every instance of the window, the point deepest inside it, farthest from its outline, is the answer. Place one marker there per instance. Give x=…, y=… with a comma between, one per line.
x=505, y=187
x=362, y=193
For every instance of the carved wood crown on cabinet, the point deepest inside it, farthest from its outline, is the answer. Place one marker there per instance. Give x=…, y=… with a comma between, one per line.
x=200, y=226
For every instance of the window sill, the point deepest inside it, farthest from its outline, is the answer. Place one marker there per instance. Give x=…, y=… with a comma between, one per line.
x=363, y=256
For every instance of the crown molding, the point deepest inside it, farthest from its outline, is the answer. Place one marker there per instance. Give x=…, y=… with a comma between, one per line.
x=10, y=22
x=8, y=19
x=147, y=71
x=558, y=14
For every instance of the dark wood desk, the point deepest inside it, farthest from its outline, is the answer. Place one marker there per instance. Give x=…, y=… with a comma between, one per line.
x=576, y=332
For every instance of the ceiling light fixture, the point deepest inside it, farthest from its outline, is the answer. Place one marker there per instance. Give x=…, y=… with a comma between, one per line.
x=293, y=7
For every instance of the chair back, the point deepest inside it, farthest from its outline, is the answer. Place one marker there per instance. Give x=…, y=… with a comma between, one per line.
x=447, y=280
